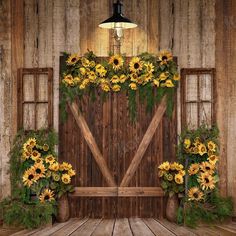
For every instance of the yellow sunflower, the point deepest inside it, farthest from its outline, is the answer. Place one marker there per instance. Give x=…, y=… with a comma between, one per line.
x=116, y=88
x=32, y=142
x=164, y=166
x=26, y=155
x=148, y=78
x=163, y=76
x=35, y=155
x=77, y=80
x=161, y=173
x=105, y=87
x=179, y=167
x=66, y=179
x=65, y=166
x=176, y=77
x=92, y=76
x=29, y=177
x=169, y=83
x=115, y=79
x=213, y=159
x=156, y=82
x=164, y=56
x=179, y=179
x=197, y=140
x=193, y=169
x=68, y=80
x=27, y=148
x=39, y=169
x=72, y=59
x=56, y=176
x=82, y=70
x=71, y=172
x=211, y=146
x=134, y=77
x=46, y=196
x=133, y=86
x=170, y=177
x=38, y=160
x=116, y=61
x=45, y=147
x=135, y=64
x=123, y=78
x=187, y=143
x=85, y=62
x=195, y=194
x=54, y=166
x=100, y=70
x=149, y=67
x=206, y=181
x=182, y=172
x=207, y=167
x=202, y=149
x=49, y=159
x=173, y=165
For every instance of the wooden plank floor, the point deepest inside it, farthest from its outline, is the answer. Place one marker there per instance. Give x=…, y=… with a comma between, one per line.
x=124, y=227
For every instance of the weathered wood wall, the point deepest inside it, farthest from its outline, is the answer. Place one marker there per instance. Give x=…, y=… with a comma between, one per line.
x=200, y=33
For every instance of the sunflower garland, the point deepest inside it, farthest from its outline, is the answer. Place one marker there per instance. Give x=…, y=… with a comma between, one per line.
x=138, y=75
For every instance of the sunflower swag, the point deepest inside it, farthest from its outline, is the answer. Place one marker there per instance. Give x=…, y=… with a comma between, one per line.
x=146, y=75
x=198, y=150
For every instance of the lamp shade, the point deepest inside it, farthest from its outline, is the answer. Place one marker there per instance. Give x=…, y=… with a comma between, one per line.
x=117, y=20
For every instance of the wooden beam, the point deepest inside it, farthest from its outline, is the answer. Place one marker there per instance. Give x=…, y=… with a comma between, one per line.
x=17, y=44
x=92, y=144
x=117, y=192
x=144, y=143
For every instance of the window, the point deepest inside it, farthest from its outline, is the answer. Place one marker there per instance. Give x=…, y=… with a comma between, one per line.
x=197, y=97
x=35, y=96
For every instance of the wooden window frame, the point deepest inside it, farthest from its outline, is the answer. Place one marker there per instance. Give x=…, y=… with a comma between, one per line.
x=36, y=72
x=197, y=71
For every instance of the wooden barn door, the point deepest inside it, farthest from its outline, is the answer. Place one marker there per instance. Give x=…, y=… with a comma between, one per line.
x=116, y=160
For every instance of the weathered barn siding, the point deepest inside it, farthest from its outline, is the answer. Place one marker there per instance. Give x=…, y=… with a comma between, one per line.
x=198, y=35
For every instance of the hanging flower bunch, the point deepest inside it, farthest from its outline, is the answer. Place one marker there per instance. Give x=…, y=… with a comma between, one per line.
x=200, y=150
x=43, y=174
x=172, y=176
x=144, y=74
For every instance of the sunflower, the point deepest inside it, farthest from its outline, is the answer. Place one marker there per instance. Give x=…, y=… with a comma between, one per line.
x=68, y=80
x=71, y=172
x=202, y=149
x=195, y=194
x=211, y=146
x=46, y=196
x=170, y=177
x=135, y=64
x=115, y=79
x=82, y=70
x=45, y=147
x=169, y=83
x=35, y=155
x=179, y=167
x=161, y=173
x=197, y=140
x=77, y=80
x=164, y=56
x=92, y=64
x=123, y=78
x=72, y=59
x=66, y=179
x=38, y=160
x=213, y=159
x=116, y=88
x=32, y=142
x=65, y=166
x=100, y=70
x=116, y=61
x=39, y=169
x=179, y=179
x=26, y=155
x=173, y=165
x=156, y=82
x=182, y=172
x=148, y=78
x=54, y=166
x=56, y=176
x=85, y=62
x=206, y=181
x=176, y=77
x=27, y=147
x=164, y=166
x=187, y=143
x=149, y=67
x=105, y=87
x=163, y=76
x=49, y=159
x=207, y=167
x=134, y=77
x=193, y=169
x=92, y=76
x=29, y=177
x=133, y=86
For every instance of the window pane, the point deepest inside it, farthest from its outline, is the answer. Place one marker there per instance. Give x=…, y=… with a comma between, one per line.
x=191, y=88
x=42, y=116
x=191, y=115
x=205, y=113
x=43, y=88
x=205, y=87
x=28, y=88
x=29, y=116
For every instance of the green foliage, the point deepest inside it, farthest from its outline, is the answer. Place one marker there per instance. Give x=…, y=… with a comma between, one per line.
x=20, y=209
x=150, y=84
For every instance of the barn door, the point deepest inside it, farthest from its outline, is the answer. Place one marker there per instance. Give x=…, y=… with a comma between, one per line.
x=116, y=159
